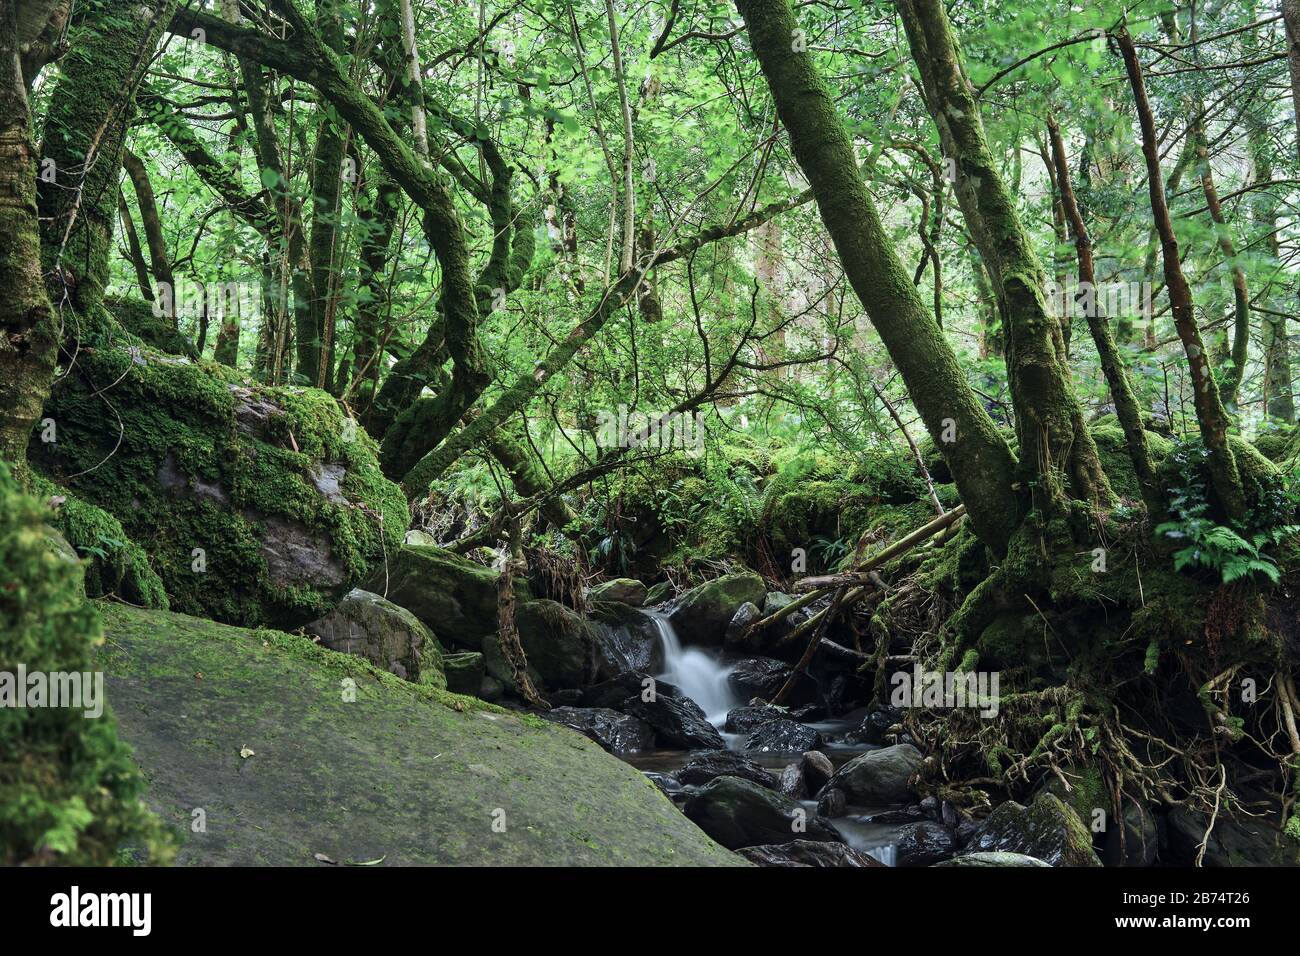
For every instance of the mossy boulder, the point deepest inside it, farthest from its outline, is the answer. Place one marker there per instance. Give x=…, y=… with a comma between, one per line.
x=294, y=750
x=255, y=504
x=388, y=636
x=456, y=598
x=879, y=777
x=114, y=564
x=464, y=672
x=740, y=813
x=994, y=859
x=1112, y=449
x=69, y=791
x=1047, y=829
x=620, y=590
x=701, y=615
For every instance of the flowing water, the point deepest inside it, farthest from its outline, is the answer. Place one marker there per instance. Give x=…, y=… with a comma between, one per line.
x=701, y=676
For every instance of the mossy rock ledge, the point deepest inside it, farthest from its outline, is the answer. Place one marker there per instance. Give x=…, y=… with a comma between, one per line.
x=257, y=728
x=255, y=505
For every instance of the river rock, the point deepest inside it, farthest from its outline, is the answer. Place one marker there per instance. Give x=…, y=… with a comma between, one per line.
x=659, y=593
x=758, y=677
x=395, y=774
x=678, y=722
x=706, y=765
x=739, y=813
x=791, y=783
x=832, y=803
x=783, y=736
x=1141, y=838
x=743, y=720
x=993, y=859
x=560, y=645
x=617, y=733
x=924, y=844
x=627, y=638
x=1046, y=829
x=1231, y=843
x=388, y=636
x=456, y=598
x=874, y=726
x=464, y=671
x=808, y=853
x=621, y=591
x=701, y=615
x=880, y=777
x=614, y=692
x=817, y=770
x=745, y=615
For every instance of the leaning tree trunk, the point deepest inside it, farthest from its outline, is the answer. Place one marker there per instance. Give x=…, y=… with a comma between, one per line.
x=86, y=124
x=1279, y=402
x=979, y=458
x=28, y=343
x=1211, y=417
x=1112, y=365
x=1054, y=440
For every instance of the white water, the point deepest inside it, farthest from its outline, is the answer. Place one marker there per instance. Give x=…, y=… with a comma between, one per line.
x=699, y=674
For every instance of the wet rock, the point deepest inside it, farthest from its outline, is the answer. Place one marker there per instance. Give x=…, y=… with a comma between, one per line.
x=617, y=733
x=1231, y=843
x=678, y=722
x=701, y=615
x=614, y=692
x=620, y=591
x=997, y=858
x=464, y=671
x=880, y=777
x=791, y=783
x=490, y=689
x=783, y=736
x=388, y=636
x=1046, y=829
x=832, y=803
x=709, y=764
x=924, y=844
x=874, y=726
x=817, y=770
x=739, y=813
x=1141, y=838
x=745, y=615
x=659, y=593
x=627, y=638
x=763, y=676
x=743, y=720
x=808, y=853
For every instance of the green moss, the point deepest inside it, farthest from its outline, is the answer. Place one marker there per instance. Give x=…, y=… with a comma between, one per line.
x=116, y=565
x=1112, y=449
x=207, y=460
x=69, y=792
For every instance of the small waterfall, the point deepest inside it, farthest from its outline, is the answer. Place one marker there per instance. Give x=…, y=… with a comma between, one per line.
x=699, y=674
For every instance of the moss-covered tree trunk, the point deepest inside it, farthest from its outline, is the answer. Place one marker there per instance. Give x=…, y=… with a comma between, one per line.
x=1054, y=440
x=1210, y=415
x=1112, y=365
x=27, y=325
x=86, y=124
x=979, y=458
x=326, y=182
x=1279, y=401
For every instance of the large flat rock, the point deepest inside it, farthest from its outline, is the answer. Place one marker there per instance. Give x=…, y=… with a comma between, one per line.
x=407, y=773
